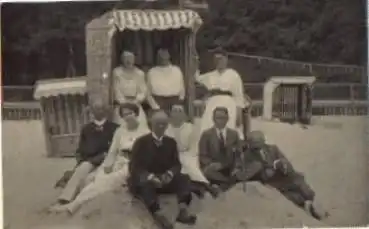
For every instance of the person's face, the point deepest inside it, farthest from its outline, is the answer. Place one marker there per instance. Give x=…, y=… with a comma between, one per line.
x=256, y=141
x=128, y=61
x=99, y=112
x=221, y=61
x=220, y=119
x=163, y=57
x=159, y=123
x=177, y=114
x=129, y=116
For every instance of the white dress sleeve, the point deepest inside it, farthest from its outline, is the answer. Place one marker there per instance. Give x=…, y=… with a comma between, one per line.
x=237, y=89
x=114, y=149
x=118, y=95
x=142, y=87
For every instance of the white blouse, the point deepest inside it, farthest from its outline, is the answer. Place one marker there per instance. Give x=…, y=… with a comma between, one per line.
x=182, y=135
x=229, y=80
x=166, y=81
x=123, y=140
x=129, y=83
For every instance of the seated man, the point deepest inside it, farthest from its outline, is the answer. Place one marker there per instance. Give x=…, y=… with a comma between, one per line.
x=155, y=168
x=94, y=143
x=182, y=132
x=219, y=151
x=267, y=164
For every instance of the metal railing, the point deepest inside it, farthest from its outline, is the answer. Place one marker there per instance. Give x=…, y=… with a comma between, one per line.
x=328, y=99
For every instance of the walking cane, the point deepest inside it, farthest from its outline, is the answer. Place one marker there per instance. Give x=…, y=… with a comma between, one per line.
x=244, y=147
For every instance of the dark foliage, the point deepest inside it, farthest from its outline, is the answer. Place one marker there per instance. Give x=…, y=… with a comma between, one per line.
x=45, y=40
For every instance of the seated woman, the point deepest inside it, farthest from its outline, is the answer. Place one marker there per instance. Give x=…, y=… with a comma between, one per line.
x=182, y=132
x=129, y=86
x=113, y=172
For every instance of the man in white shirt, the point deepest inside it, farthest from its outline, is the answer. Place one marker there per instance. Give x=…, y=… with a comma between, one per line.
x=165, y=83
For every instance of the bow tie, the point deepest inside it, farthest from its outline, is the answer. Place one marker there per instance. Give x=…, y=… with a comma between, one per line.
x=99, y=128
x=157, y=142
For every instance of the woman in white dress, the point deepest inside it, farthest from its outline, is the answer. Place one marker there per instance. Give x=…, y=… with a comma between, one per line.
x=225, y=89
x=183, y=133
x=113, y=172
x=129, y=86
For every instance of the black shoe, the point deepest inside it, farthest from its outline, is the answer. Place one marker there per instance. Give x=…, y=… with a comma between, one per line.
x=186, y=218
x=162, y=221
x=214, y=191
x=199, y=193
x=63, y=202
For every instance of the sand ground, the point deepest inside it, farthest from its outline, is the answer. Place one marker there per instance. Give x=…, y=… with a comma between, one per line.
x=331, y=153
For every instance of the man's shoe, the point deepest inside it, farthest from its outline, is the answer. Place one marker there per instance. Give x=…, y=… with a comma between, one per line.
x=315, y=211
x=213, y=190
x=186, y=218
x=162, y=221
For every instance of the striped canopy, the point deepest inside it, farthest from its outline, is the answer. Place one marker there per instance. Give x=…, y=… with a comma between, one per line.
x=56, y=87
x=156, y=19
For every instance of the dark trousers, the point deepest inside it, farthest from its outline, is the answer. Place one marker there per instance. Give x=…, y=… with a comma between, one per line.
x=166, y=102
x=148, y=193
x=295, y=189
x=221, y=177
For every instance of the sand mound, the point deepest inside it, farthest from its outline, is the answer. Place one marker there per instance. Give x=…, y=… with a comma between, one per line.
x=332, y=148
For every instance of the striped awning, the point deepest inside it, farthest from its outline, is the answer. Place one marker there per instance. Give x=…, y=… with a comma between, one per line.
x=156, y=19
x=55, y=87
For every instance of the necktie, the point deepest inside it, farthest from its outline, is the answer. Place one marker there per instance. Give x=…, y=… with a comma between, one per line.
x=221, y=141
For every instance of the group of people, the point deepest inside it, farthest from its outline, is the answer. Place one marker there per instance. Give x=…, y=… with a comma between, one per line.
x=162, y=155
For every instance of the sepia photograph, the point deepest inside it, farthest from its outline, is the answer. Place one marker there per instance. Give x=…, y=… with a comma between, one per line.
x=163, y=114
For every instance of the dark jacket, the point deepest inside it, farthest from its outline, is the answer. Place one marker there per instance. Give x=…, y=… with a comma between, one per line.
x=210, y=150
x=94, y=142
x=148, y=157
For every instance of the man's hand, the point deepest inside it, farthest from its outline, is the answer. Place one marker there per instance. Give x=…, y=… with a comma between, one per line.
x=167, y=177
x=157, y=182
x=269, y=173
x=281, y=166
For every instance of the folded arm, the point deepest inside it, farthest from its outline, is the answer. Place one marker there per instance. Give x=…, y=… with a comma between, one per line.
x=142, y=88
x=281, y=162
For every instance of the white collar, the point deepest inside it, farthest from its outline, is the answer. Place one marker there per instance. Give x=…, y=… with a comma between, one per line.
x=99, y=123
x=156, y=137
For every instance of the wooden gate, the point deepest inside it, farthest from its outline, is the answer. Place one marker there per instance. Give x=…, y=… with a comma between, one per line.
x=292, y=103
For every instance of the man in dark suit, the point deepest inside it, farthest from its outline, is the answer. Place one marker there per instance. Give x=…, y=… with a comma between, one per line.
x=267, y=164
x=94, y=143
x=155, y=168
x=219, y=149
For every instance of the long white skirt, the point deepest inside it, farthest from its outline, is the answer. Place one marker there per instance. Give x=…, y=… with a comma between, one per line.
x=191, y=166
x=219, y=101
x=142, y=119
x=102, y=183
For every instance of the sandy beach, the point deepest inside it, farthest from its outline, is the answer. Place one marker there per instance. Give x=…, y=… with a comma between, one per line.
x=331, y=153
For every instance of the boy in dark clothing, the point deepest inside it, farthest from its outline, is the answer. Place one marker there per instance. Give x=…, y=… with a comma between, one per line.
x=94, y=143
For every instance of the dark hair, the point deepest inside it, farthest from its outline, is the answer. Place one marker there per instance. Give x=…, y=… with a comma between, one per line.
x=220, y=109
x=131, y=106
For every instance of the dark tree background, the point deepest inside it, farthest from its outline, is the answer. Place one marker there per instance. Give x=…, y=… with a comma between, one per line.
x=47, y=40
